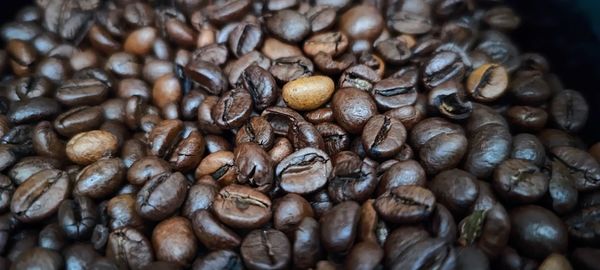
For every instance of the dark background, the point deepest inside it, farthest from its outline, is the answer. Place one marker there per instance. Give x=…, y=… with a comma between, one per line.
x=565, y=31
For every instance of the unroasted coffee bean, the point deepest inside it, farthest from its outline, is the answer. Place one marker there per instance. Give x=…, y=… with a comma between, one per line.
x=304, y=171
x=161, y=196
x=339, y=226
x=519, y=181
x=232, y=109
x=569, y=110
x=87, y=147
x=352, y=108
x=100, y=178
x=40, y=196
x=308, y=93
x=242, y=207
x=266, y=249
x=173, y=241
x=405, y=204
x=129, y=248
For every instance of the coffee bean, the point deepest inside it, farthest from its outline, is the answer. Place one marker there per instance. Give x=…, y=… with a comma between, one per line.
x=274, y=48
x=307, y=163
x=332, y=43
x=394, y=51
x=286, y=69
x=339, y=225
x=527, y=117
x=173, y=241
x=237, y=67
x=359, y=76
x=161, y=196
x=352, y=178
x=289, y=212
x=266, y=249
x=242, y=207
x=140, y=41
x=288, y=25
x=569, y=110
x=52, y=237
x=79, y=119
x=352, y=108
x=488, y=82
x=254, y=166
x=519, y=181
x=32, y=110
x=100, y=178
x=129, y=248
x=233, y=108
x=122, y=213
x=455, y=189
x=404, y=173
x=244, y=38
x=526, y=224
x=164, y=137
x=364, y=255
x=37, y=257
x=308, y=93
x=405, y=204
x=40, y=195
x=582, y=166
x=321, y=17
x=261, y=85
x=212, y=233
x=208, y=75
x=383, y=136
x=77, y=217
x=442, y=67
x=220, y=166
x=29, y=166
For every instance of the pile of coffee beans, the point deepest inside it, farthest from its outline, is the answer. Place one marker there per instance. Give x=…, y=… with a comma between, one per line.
x=288, y=134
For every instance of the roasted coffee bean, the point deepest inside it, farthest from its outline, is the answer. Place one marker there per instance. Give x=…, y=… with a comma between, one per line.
x=411, y=17
x=561, y=189
x=164, y=137
x=52, y=237
x=364, y=255
x=220, y=166
x=281, y=118
x=282, y=147
x=40, y=195
x=442, y=67
x=394, y=51
x=362, y=22
x=403, y=173
x=261, y=85
x=274, y=48
x=254, y=166
x=87, y=147
x=6, y=191
x=306, y=247
x=32, y=110
x=582, y=166
x=339, y=226
x=332, y=43
x=288, y=25
x=405, y=204
x=455, y=189
x=266, y=249
x=352, y=178
x=488, y=82
x=352, y=108
x=220, y=259
x=527, y=225
x=383, y=136
x=212, y=233
x=129, y=248
x=173, y=241
x=394, y=93
x=100, y=178
x=569, y=110
x=233, y=108
x=244, y=38
x=304, y=171
x=529, y=88
x=40, y=258
x=235, y=68
x=303, y=134
x=180, y=33
x=145, y=169
x=77, y=217
x=208, y=75
x=335, y=138
x=78, y=120
x=242, y=207
x=161, y=196
x=289, y=212
x=258, y=131
x=167, y=89
x=359, y=76
x=321, y=17
x=122, y=213
x=329, y=65
x=290, y=68
x=189, y=152
x=29, y=166
x=527, y=117
x=519, y=181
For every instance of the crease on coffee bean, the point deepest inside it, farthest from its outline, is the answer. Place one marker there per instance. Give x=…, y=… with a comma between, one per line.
x=242, y=198
x=304, y=160
x=32, y=197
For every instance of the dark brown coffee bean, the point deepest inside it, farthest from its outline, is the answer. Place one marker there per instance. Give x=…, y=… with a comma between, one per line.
x=520, y=181
x=529, y=88
x=79, y=92
x=28, y=166
x=123, y=64
x=404, y=173
x=335, y=138
x=289, y=211
x=364, y=255
x=217, y=54
x=258, y=131
x=31, y=87
x=339, y=226
x=412, y=17
x=488, y=82
x=526, y=224
x=303, y=134
x=527, y=117
x=359, y=76
x=237, y=67
x=173, y=241
x=161, y=196
x=455, y=189
x=569, y=110
x=6, y=191
x=32, y=110
x=333, y=66
x=100, y=178
x=442, y=67
x=222, y=12
x=52, y=237
x=189, y=152
x=332, y=43
x=261, y=85
x=405, y=204
x=40, y=196
x=306, y=163
x=394, y=93
x=383, y=136
x=288, y=25
x=164, y=137
x=584, y=169
x=282, y=147
x=232, y=109
x=212, y=233
x=129, y=248
x=78, y=217
x=321, y=17
x=78, y=120
x=38, y=257
x=254, y=166
x=290, y=68
x=266, y=249
x=180, y=33
x=220, y=166
x=394, y=51
x=208, y=75
x=352, y=108
x=220, y=259
x=242, y=207
x=244, y=38
x=352, y=178
x=121, y=212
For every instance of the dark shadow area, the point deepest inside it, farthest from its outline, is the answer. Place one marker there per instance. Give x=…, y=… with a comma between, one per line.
x=562, y=30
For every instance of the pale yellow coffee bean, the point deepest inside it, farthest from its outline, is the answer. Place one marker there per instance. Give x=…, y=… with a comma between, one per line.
x=308, y=93
x=555, y=261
